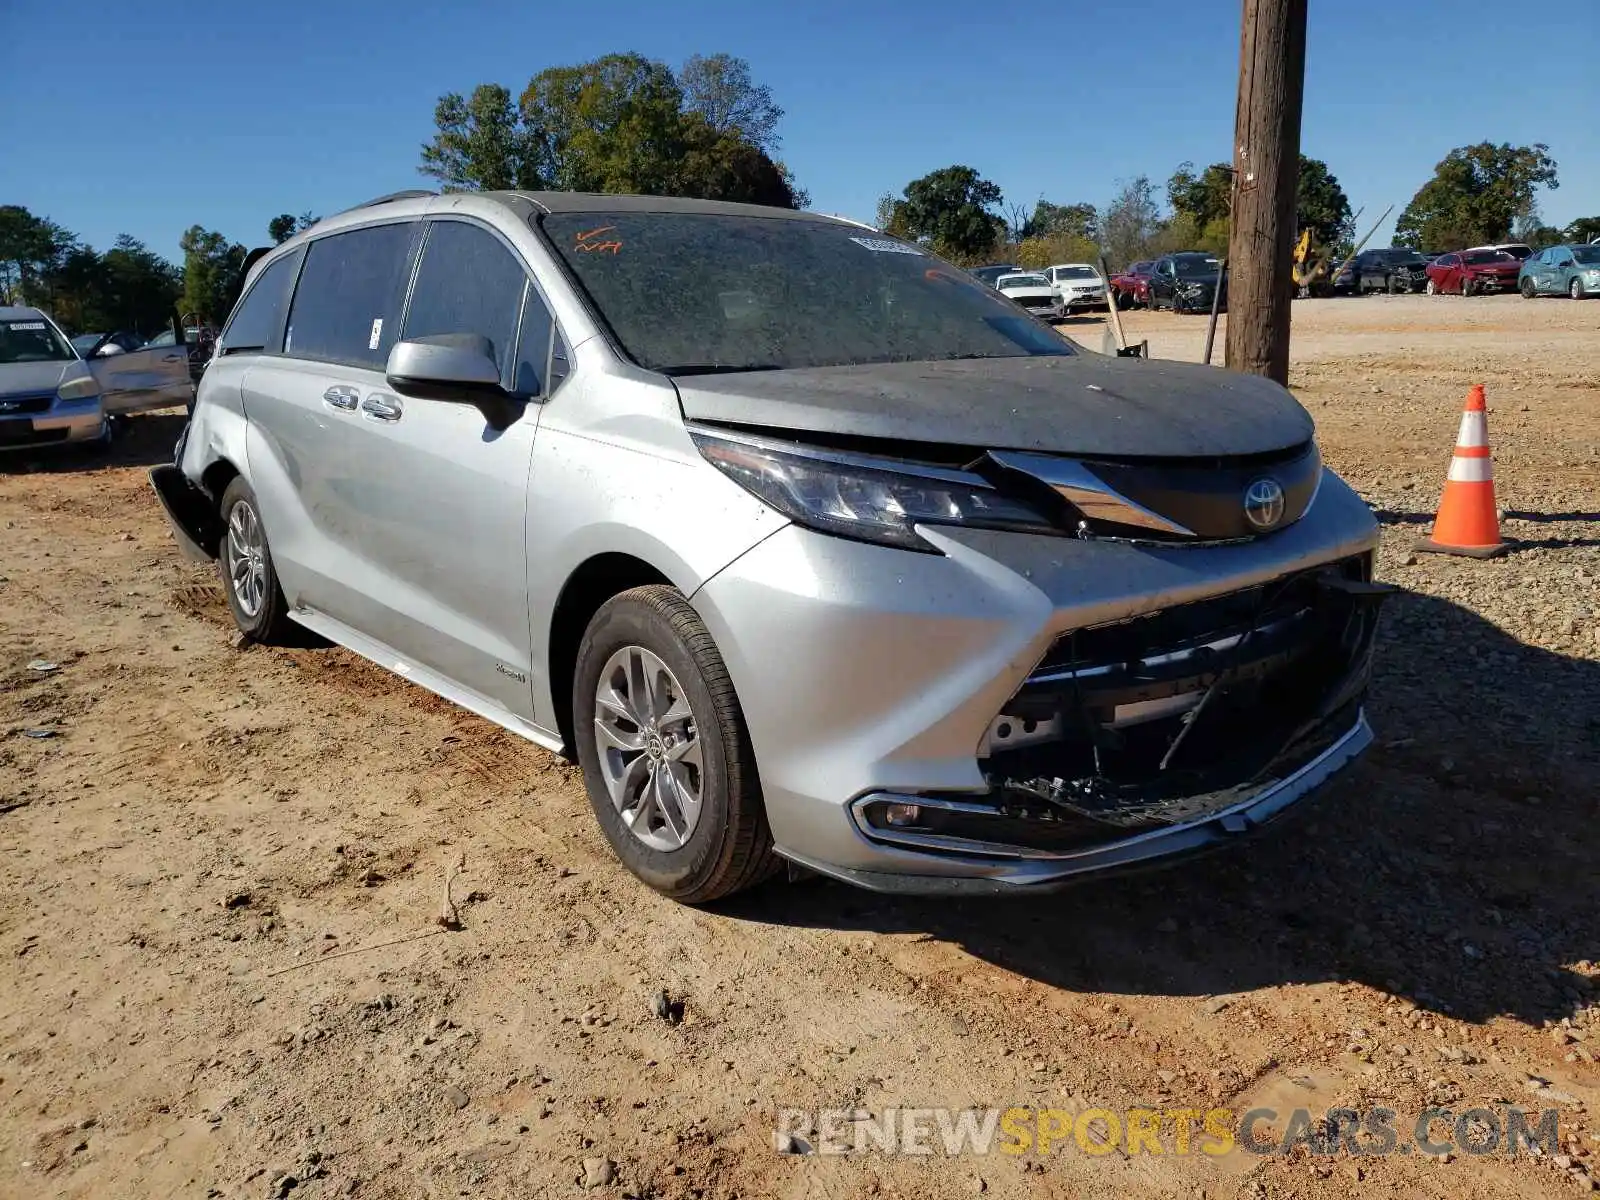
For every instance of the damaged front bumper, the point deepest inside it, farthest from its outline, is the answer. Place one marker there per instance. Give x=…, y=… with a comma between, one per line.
x=1024, y=710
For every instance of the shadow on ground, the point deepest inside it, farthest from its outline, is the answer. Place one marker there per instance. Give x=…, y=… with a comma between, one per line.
x=143, y=440
x=1455, y=865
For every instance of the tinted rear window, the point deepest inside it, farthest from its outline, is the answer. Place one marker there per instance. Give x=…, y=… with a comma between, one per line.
x=257, y=321
x=347, y=304
x=686, y=292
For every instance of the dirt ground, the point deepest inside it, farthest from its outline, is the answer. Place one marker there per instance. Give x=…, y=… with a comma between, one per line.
x=220, y=971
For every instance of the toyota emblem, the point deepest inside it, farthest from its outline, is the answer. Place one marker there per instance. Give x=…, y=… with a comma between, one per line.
x=1264, y=503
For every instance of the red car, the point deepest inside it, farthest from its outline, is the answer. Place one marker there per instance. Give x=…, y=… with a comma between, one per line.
x=1469, y=272
x=1133, y=285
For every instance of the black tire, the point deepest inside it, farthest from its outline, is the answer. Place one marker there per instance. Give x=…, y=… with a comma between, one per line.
x=1527, y=289
x=1466, y=287
x=730, y=846
x=269, y=623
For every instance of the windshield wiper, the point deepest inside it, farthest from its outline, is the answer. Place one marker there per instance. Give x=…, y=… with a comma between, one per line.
x=719, y=368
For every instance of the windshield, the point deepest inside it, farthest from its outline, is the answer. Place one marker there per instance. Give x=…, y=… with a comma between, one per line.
x=1077, y=273
x=702, y=292
x=1195, y=268
x=32, y=340
x=1589, y=255
x=1480, y=257
x=1020, y=281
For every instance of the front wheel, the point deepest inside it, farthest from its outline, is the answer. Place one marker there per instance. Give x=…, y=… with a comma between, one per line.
x=666, y=757
x=1466, y=287
x=1432, y=289
x=244, y=560
x=1527, y=289
x=1575, y=289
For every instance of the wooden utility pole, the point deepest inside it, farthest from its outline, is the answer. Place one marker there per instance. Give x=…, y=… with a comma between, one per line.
x=1266, y=169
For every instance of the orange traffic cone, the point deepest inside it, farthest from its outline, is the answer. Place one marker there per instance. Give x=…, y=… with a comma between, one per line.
x=1468, y=522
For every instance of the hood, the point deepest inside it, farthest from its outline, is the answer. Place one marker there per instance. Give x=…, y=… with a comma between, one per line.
x=38, y=376
x=1086, y=404
x=1031, y=290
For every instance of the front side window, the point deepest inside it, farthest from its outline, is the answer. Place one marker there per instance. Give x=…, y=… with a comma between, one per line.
x=257, y=321
x=347, y=303
x=469, y=282
x=700, y=292
x=31, y=340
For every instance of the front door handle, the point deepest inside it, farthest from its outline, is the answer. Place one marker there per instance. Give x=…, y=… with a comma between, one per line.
x=381, y=407
x=173, y=357
x=341, y=396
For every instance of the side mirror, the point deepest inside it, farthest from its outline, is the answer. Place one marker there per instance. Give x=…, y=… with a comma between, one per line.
x=457, y=367
x=108, y=350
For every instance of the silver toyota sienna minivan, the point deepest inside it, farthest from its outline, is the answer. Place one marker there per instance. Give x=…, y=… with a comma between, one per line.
x=803, y=542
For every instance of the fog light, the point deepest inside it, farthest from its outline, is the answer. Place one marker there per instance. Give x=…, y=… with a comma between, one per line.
x=901, y=814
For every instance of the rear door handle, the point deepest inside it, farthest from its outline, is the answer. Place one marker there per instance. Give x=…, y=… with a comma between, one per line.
x=341, y=396
x=173, y=357
x=381, y=407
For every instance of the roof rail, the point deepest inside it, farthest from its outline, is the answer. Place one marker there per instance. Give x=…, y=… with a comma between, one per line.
x=409, y=194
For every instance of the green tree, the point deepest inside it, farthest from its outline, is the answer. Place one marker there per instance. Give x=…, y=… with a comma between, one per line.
x=719, y=88
x=1062, y=220
x=285, y=225
x=1475, y=195
x=622, y=124
x=32, y=249
x=1584, y=229
x=1321, y=205
x=481, y=143
x=213, y=272
x=139, y=288
x=1131, y=223
x=952, y=209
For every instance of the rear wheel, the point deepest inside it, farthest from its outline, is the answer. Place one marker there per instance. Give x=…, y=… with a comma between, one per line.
x=1575, y=289
x=666, y=757
x=249, y=578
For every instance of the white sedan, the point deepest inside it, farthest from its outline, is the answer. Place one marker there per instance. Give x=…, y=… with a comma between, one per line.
x=1078, y=285
x=1032, y=291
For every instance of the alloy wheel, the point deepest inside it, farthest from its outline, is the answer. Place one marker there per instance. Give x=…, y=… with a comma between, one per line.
x=247, y=558
x=1575, y=289
x=649, y=748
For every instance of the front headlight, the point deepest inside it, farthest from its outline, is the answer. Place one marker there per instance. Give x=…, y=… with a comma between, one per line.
x=85, y=388
x=833, y=494
x=1592, y=276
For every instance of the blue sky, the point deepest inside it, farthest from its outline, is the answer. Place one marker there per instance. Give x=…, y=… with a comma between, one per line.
x=225, y=115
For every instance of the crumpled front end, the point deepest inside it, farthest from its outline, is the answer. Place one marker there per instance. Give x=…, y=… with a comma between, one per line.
x=1019, y=710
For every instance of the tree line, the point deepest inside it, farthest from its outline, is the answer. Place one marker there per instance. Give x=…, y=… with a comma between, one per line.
x=1478, y=195
x=128, y=288
x=624, y=123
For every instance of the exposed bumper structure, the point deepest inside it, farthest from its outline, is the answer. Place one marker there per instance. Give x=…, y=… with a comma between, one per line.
x=1026, y=710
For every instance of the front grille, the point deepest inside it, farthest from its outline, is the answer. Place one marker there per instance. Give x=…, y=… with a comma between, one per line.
x=1037, y=302
x=24, y=434
x=18, y=405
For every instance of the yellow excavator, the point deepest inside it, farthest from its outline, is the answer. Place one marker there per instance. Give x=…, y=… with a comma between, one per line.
x=1313, y=269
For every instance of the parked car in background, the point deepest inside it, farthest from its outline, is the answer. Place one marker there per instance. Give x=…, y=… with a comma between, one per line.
x=1566, y=270
x=1394, y=269
x=802, y=546
x=1078, y=285
x=1471, y=272
x=991, y=273
x=1033, y=291
x=48, y=395
x=136, y=375
x=1186, y=282
x=1133, y=285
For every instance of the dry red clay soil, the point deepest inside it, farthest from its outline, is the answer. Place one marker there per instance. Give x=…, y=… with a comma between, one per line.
x=219, y=878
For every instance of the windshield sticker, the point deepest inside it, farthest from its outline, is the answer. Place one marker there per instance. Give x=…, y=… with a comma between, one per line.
x=588, y=241
x=885, y=246
x=376, y=335
x=27, y=325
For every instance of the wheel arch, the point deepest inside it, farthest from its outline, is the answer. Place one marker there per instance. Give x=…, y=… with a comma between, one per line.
x=591, y=584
